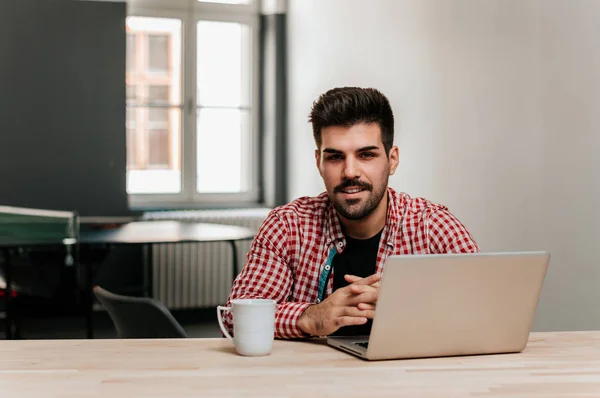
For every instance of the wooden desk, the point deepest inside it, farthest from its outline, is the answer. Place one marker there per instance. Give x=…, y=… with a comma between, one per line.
x=553, y=365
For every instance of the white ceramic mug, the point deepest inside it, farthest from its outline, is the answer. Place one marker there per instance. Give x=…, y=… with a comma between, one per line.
x=253, y=325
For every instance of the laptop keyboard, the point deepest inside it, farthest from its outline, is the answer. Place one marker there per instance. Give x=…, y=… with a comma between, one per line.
x=364, y=344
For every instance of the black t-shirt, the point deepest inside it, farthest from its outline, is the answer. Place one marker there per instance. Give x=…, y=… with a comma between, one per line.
x=358, y=258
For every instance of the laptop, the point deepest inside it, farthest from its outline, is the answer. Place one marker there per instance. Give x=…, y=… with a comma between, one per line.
x=438, y=305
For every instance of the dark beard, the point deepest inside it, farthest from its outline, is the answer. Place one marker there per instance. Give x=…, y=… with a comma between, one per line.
x=363, y=211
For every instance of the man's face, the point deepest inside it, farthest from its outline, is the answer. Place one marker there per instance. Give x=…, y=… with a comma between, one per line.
x=355, y=168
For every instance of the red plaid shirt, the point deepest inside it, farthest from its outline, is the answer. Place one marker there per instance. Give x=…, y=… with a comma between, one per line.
x=291, y=247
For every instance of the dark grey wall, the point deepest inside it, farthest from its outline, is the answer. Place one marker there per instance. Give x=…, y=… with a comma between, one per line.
x=62, y=106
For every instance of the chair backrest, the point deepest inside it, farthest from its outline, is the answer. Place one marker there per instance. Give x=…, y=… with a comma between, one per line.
x=139, y=317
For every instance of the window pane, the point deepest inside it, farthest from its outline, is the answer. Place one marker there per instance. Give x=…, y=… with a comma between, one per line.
x=158, y=94
x=130, y=91
x=226, y=1
x=223, y=151
x=224, y=68
x=158, y=53
x=157, y=75
x=130, y=149
x=130, y=118
x=158, y=149
x=154, y=133
x=158, y=118
x=154, y=150
x=131, y=51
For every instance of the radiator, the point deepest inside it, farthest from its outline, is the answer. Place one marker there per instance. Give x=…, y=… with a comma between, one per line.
x=198, y=275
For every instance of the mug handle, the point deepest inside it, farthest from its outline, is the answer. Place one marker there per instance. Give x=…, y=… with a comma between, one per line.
x=223, y=329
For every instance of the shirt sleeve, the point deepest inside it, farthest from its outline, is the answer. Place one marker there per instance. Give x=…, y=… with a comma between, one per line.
x=447, y=234
x=267, y=275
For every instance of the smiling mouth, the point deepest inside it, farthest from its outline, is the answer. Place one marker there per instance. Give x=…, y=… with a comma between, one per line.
x=352, y=190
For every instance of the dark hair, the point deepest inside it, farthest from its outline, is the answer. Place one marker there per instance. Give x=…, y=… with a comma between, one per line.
x=347, y=106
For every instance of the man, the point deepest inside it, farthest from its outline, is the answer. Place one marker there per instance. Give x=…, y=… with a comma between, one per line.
x=321, y=258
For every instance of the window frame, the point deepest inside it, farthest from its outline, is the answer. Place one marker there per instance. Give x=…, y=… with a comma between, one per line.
x=248, y=15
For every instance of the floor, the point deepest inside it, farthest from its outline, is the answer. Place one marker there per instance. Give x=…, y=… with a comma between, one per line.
x=197, y=324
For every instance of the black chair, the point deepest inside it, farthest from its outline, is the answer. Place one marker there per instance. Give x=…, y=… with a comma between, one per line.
x=139, y=317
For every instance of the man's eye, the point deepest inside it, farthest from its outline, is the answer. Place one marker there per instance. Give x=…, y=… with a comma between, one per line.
x=367, y=155
x=334, y=157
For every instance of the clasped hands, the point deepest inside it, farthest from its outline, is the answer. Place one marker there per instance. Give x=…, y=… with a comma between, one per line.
x=351, y=305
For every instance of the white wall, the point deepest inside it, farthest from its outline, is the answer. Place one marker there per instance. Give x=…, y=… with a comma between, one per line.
x=497, y=117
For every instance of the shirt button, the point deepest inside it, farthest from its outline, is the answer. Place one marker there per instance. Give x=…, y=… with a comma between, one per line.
x=340, y=244
x=328, y=240
x=318, y=301
x=327, y=267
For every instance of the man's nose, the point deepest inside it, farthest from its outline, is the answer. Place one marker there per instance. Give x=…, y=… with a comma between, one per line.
x=351, y=168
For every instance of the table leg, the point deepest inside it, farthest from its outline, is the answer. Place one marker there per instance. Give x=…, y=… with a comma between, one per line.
x=88, y=293
x=147, y=269
x=84, y=288
x=8, y=291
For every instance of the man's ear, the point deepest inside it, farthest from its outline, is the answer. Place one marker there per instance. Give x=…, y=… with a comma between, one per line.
x=394, y=157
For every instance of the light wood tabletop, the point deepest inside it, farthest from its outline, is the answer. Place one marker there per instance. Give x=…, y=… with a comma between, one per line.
x=553, y=365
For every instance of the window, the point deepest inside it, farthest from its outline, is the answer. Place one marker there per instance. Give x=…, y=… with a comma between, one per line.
x=191, y=80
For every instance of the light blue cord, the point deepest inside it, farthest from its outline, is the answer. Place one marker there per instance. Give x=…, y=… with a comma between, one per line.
x=325, y=273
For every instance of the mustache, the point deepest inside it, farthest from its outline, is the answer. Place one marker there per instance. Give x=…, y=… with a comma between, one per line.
x=353, y=183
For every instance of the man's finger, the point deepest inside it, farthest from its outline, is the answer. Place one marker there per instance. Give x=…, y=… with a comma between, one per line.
x=357, y=313
x=369, y=280
x=358, y=289
x=350, y=321
x=368, y=298
x=353, y=278
x=366, y=307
